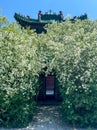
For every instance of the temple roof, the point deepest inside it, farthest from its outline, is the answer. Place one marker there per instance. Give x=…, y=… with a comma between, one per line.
x=43, y=19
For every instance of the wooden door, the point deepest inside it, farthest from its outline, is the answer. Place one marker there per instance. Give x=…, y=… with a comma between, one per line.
x=50, y=85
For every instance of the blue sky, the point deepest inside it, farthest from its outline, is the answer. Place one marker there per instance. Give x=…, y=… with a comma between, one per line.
x=31, y=7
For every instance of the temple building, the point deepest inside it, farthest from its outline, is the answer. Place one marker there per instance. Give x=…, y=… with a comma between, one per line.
x=48, y=84
x=43, y=19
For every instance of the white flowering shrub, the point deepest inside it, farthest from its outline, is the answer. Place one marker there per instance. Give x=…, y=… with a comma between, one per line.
x=19, y=69
x=71, y=50
x=68, y=50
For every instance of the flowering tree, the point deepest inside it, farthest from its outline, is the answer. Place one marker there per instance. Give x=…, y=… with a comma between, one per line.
x=74, y=58
x=67, y=49
x=19, y=69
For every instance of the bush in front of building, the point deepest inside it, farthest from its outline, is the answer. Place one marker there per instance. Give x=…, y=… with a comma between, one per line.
x=72, y=53
x=18, y=75
x=77, y=72
x=68, y=50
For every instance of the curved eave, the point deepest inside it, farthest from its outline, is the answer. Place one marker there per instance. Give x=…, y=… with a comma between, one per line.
x=30, y=21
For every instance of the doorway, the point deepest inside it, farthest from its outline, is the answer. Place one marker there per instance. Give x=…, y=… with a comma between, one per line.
x=48, y=89
x=50, y=85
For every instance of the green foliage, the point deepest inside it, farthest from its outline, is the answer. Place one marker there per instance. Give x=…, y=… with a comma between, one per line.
x=3, y=20
x=18, y=76
x=76, y=68
x=69, y=50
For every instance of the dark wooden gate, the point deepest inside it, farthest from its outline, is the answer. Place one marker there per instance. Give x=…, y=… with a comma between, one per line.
x=48, y=88
x=50, y=85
